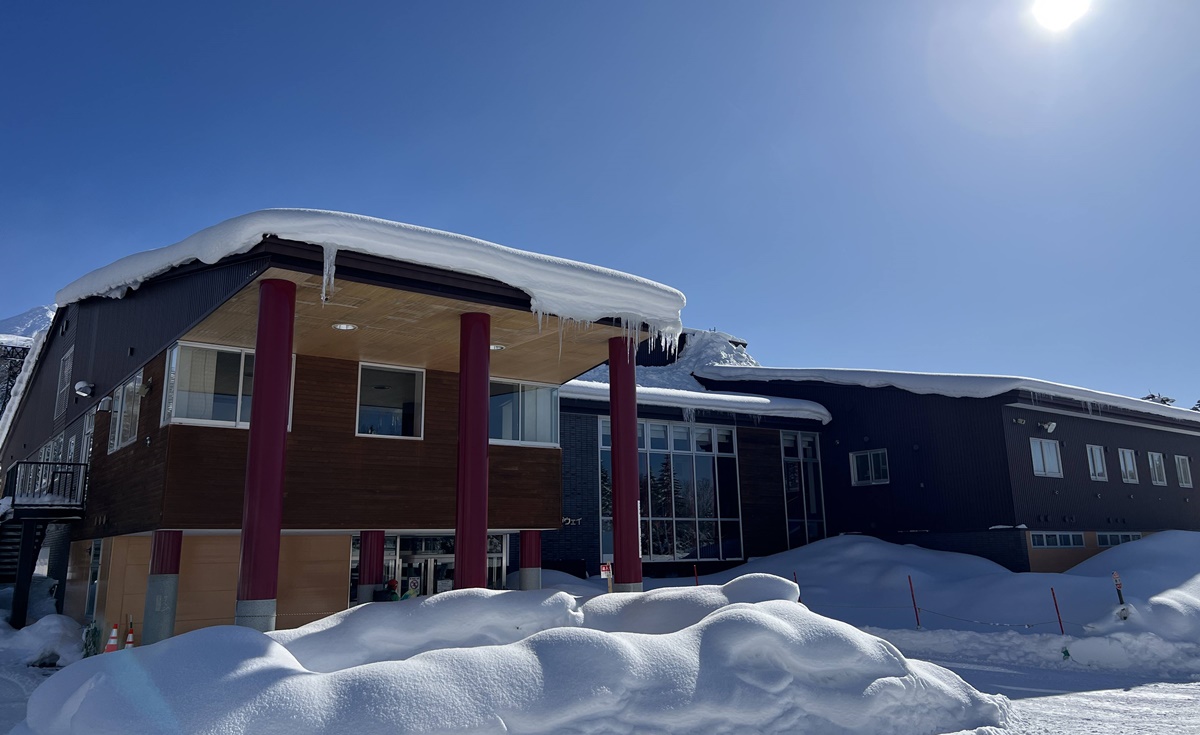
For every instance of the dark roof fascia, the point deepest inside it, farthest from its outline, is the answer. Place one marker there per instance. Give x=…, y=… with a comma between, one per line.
x=1034, y=400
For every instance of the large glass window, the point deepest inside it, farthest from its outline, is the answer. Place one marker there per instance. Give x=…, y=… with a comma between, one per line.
x=802, y=487
x=208, y=385
x=689, y=500
x=390, y=401
x=523, y=412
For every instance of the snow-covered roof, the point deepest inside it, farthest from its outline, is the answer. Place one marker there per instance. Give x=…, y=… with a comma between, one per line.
x=705, y=401
x=944, y=384
x=564, y=288
x=15, y=340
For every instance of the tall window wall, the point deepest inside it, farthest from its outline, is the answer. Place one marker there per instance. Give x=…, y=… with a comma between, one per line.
x=803, y=488
x=689, y=502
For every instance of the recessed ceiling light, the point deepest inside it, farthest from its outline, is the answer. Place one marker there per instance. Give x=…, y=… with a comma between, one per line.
x=497, y=348
x=345, y=327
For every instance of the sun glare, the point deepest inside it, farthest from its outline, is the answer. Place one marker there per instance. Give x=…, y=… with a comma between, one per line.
x=1059, y=15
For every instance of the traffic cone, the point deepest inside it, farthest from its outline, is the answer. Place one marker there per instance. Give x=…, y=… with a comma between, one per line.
x=129, y=637
x=112, y=640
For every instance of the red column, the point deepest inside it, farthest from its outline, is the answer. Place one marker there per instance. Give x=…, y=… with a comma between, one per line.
x=370, y=564
x=622, y=386
x=470, y=543
x=165, y=549
x=531, y=560
x=262, y=512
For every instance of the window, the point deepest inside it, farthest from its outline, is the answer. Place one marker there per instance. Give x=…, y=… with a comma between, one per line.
x=689, y=504
x=804, y=499
x=1046, y=459
x=869, y=468
x=390, y=401
x=1056, y=540
x=1128, y=465
x=89, y=428
x=1096, y=463
x=1183, y=470
x=523, y=412
x=64, y=382
x=126, y=409
x=1116, y=539
x=1158, y=468
x=210, y=386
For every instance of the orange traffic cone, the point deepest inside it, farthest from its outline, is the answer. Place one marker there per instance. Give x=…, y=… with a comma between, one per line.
x=129, y=637
x=112, y=640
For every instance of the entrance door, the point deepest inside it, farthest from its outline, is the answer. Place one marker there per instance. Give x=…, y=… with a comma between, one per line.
x=425, y=575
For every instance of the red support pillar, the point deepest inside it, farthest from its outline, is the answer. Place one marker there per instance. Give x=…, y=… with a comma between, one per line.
x=474, y=396
x=262, y=512
x=531, y=560
x=370, y=564
x=622, y=386
x=162, y=587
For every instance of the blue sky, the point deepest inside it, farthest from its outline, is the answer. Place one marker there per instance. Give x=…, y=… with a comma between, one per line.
x=934, y=185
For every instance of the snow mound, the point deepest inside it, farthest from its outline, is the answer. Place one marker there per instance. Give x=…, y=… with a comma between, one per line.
x=53, y=640
x=565, y=288
x=766, y=667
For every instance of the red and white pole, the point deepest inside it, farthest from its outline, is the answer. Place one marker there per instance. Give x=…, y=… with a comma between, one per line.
x=162, y=587
x=531, y=560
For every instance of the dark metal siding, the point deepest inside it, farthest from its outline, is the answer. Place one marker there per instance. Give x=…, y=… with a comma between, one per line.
x=113, y=338
x=947, y=459
x=1075, y=502
x=760, y=483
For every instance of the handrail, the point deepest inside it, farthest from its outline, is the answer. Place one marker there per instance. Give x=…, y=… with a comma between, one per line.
x=46, y=484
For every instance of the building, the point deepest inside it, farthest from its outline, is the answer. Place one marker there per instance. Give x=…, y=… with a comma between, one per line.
x=404, y=386
x=1034, y=475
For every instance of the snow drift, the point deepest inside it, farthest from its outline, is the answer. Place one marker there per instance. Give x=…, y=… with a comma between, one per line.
x=763, y=665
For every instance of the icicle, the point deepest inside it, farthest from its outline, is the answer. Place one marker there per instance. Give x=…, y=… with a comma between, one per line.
x=689, y=415
x=327, y=273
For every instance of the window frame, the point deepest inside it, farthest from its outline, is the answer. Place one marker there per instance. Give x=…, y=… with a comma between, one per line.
x=1183, y=468
x=399, y=369
x=855, y=481
x=1102, y=474
x=557, y=443
x=120, y=399
x=1130, y=470
x=1044, y=536
x=62, y=397
x=1038, y=444
x=1158, y=476
x=1104, y=539
x=171, y=388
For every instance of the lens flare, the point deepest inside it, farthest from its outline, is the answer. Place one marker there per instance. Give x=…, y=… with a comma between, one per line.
x=1059, y=15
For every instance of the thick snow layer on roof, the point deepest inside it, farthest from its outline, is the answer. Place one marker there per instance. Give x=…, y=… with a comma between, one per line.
x=944, y=384
x=698, y=400
x=18, y=389
x=673, y=385
x=15, y=340
x=738, y=658
x=564, y=288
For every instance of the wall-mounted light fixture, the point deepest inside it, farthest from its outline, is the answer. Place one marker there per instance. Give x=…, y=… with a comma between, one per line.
x=143, y=389
x=84, y=388
x=1048, y=426
x=105, y=404
x=344, y=326
x=495, y=348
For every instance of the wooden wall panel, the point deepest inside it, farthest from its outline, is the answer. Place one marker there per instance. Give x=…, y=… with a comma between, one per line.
x=124, y=568
x=125, y=488
x=208, y=577
x=314, y=578
x=760, y=480
x=336, y=480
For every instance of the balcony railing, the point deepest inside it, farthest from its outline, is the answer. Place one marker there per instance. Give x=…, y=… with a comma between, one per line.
x=46, y=485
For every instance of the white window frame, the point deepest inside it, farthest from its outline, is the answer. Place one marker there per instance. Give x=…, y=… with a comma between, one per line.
x=1037, y=447
x=856, y=481
x=1183, y=470
x=1097, y=465
x=1158, y=468
x=120, y=399
x=520, y=419
x=171, y=390
x=1129, y=473
x=400, y=369
x=1044, y=536
x=65, y=368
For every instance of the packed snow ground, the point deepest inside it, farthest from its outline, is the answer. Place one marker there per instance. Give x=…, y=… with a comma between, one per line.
x=733, y=654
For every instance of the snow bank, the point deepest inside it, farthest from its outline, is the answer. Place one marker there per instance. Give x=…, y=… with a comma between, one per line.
x=944, y=384
x=564, y=288
x=52, y=640
x=764, y=667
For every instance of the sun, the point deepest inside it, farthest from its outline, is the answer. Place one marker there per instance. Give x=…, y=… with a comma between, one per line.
x=1059, y=15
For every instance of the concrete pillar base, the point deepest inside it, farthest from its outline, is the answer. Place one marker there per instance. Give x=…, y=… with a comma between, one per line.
x=162, y=597
x=366, y=592
x=256, y=614
x=531, y=578
x=627, y=587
